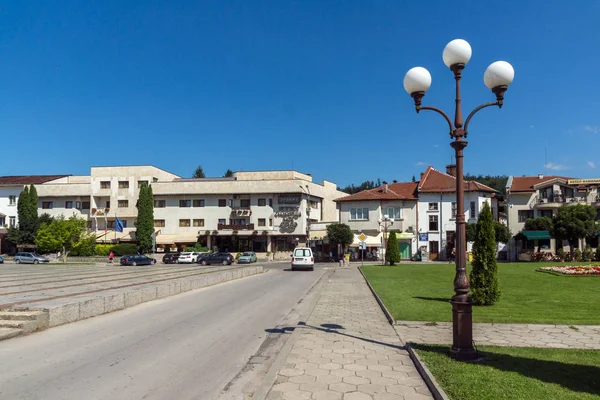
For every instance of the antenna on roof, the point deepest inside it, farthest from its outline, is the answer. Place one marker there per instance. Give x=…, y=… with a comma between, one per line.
x=545, y=158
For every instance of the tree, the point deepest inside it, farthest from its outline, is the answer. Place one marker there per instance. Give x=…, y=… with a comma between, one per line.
x=228, y=174
x=145, y=218
x=539, y=224
x=199, y=173
x=575, y=222
x=501, y=232
x=366, y=185
x=45, y=218
x=392, y=252
x=414, y=179
x=27, y=206
x=340, y=234
x=62, y=235
x=484, y=279
x=471, y=232
x=497, y=182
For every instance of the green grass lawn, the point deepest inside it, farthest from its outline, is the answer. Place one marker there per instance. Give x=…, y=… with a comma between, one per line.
x=516, y=373
x=420, y=292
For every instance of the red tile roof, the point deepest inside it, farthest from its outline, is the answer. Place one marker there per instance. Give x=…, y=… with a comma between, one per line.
x=28, y=179
x=396, y=191
x=435, y=181
x=526, y=183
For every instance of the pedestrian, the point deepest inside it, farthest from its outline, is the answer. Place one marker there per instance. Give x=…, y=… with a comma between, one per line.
x=110, y=257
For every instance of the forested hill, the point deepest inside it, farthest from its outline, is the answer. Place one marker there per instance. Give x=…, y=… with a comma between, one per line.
x=497, y=182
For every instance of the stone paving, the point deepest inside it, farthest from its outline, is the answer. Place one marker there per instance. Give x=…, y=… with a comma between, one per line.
x=347, y=350
x=517, y=335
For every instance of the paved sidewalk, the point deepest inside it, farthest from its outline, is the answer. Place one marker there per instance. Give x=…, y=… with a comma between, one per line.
x=348, y=350
x=518, y=335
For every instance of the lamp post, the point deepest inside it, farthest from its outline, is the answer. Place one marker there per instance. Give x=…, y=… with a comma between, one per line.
x=307, y=192
x=385, y=222
x=417, y=80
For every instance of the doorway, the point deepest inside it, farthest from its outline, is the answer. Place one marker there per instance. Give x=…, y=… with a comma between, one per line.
x=450, y=235
x=404, y=250
x=434, y=249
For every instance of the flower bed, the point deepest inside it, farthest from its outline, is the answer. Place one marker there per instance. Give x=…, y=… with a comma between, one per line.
x=573, y=269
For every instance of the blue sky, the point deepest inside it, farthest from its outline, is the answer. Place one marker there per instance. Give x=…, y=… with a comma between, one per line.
x=313, y=85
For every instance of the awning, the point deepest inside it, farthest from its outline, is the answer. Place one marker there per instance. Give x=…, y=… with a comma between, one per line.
x=405, y=235
x=536, y=235
x=372, y=241
x=177, y=238
x=317, y=235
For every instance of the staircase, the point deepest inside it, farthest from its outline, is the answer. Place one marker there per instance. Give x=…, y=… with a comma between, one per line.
x=16, y=323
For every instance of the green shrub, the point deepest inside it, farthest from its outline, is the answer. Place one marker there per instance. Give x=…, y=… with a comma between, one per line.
x=197, y=247
x=484, y=279
x=588, y=253
x=85, y=247
x=392, y=252
x=577, y=255
x=123, y=249
x=560, y=253
x=102, y=249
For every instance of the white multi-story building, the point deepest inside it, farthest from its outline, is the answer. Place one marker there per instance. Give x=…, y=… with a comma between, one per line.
x=260, y=211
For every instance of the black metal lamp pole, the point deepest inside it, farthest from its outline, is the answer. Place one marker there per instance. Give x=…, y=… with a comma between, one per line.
x=497, y=77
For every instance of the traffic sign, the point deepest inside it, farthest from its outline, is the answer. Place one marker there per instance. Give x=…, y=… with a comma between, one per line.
x=362, y=245
x=362, y=237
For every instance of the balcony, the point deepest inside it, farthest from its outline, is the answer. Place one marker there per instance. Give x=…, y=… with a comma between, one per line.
x=235, y=227
x=558, y=201
x=241, y=211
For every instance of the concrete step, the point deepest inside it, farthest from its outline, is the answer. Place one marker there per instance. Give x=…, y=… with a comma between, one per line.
x=7, y=333
x=40, y=317
x=26, y=326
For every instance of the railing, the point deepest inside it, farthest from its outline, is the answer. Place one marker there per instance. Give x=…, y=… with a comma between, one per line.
x=235, y=227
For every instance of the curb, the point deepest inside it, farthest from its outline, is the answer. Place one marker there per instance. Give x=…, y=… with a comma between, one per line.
x=388, y=315
x=435, y=389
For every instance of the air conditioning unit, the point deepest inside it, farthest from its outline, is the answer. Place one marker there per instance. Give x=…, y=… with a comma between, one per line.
x=544, y=200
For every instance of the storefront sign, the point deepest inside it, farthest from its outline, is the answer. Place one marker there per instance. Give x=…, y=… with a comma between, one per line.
x=591, y=181
x=289, y=199
x=294, y=213
x=423, y=237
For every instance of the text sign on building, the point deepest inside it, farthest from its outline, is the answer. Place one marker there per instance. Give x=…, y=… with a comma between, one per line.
x=591, y=181
x=423, y=237
x=289, y=198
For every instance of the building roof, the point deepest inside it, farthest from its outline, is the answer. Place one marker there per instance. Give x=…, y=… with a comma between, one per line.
x=395, y=191
x=527, y=183
x=28, y=179
x=434, y=181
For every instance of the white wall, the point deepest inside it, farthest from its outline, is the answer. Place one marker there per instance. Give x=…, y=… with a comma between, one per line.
x=5, y=207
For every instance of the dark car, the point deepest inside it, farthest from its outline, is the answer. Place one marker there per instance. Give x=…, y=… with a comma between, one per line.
x=215, y=258
x=137, y=259
x=170, y=258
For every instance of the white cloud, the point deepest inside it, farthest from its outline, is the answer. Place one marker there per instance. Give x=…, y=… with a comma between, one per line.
x=589, y=128
x=420, y=163
x=556, y=167
x=591, y=164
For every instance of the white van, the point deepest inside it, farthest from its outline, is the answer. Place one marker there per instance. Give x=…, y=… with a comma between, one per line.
x=302, y=258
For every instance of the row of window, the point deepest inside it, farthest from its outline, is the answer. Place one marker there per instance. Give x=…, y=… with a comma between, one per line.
x=123, y=184
x=82, y=205
x=524, y=215
x=244, y=203
x=12, y=221
x=362, y=214
x=186, y=223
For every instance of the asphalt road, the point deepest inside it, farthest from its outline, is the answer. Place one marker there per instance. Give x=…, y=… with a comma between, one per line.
x=188, y=346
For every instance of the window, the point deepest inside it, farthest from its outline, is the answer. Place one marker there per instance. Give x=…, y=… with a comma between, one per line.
x=1, y=221
x=154, y=179
x=453, y=209
x=140, y=183
x=359, y=214
x=313, y=204
x=123, y=184
x=68, y=204
x=270, y=221
x=185, y=203
x=392, y=212
x=110, y=224
x=545, y=213
x=198, y=222
x=123, y=203
x=245, y=203
x=105, y=185
x=160, y=203
x=433, y=222
x=270, y=202
x=222, y=202
x=473, y=210
x=12, y=221
x=184, y=223
x=199, y=203
x=12, y=200
x=302, y=253
x=85, y=205
x=47, y=204
x=159, y=223
x=222, y=221
x=78, y=205
x=262, y=222
x=107, y=203
x=262, y=202
x=433, y=206
x=525, y=214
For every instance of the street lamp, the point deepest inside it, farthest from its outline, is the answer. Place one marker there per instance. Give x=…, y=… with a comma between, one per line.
x=385, y=222
x=307, y=192
x=417, y=80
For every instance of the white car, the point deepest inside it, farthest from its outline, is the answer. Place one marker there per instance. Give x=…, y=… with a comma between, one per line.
x=302, y=258
x=188, y=257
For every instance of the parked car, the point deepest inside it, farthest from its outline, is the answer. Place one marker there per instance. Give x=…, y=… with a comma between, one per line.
x=137, y=259
x=170, y=258
x=30, y=258
x=1, y=260
x=247, y=257
x=215, y=258
x=303, y=258
x=188, y=257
